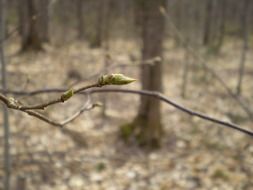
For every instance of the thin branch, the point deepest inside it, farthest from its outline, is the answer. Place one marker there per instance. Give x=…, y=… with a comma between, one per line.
x=62, y=123
x=86, y=87
x=55, y=101
x=144, y=93
x=78, y=113
x=31, y=93
x=163, y=98
x=42, y=117
x=14, y=104
x=193, y=52
x=86, y=107
x=112, y=79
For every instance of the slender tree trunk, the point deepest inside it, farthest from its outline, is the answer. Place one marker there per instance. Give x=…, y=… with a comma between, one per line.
x=185, y=73
x=7, y=163
x=96, y=38
x=222, y=27
x=21, y=183
x=214, y=33
x=180, y=15
x=107, y=14
x=148, y=120
x=22, y=16
x=43, y=12
x=31, y=39
x=245, y=48
x=208, y=22
x=80, y=19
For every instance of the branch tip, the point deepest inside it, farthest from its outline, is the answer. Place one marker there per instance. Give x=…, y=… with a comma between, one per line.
x=114, y=79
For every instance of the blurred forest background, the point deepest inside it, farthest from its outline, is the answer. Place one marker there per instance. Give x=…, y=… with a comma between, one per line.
x=197, y=53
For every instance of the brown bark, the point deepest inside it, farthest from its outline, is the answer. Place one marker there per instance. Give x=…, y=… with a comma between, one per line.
x=208, y=22
x=31, y=39
x=102, y=24
x=80, y=19
x=96, y=38
x=244, y=21
x=148, y=120
x=5, y=118
x=222, y=27
x=44, y=20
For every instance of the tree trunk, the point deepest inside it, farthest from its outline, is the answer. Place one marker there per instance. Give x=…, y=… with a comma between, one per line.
x=148, y=120
x=244, y=22
x=21, y=183
x=208, y=22
x=96, y=38
x=7, y=159
x=43, y=11
x=185, y=72
x=222, y=23
x=31, y=39
x=80, y=19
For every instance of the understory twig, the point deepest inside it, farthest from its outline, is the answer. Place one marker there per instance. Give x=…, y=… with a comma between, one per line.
x=193, y=52
x=163, y=98
x=151, y=94
x=57, y=100
x=62, y=123
x=113, y=79
x=87, y=106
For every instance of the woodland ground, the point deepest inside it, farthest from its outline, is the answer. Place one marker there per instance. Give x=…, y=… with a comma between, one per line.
x=195, y=154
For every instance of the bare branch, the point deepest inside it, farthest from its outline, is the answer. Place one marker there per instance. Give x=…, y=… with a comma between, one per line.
x=87, y=106
x=163, y=98
x=57, y=100
x=144, y=93
x=78, y=113
x=62, y=123
x=42, y=117
x=193, y=52
x=112, y=79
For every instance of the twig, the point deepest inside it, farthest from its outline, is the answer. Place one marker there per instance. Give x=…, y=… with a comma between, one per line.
x=62, y=123
x=14, y=104
x=144, y=93
x=55, y=101
x=42, y=117
x=87, y=106
x=163, y=98
x=31, y=93
x=191, y=50
x=112, y=79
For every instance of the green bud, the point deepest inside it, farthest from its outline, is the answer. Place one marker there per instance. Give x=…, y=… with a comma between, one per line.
x=115, y=79
x=66, y=95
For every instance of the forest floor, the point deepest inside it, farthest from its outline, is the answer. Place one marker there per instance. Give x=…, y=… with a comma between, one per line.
x=89, y=153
